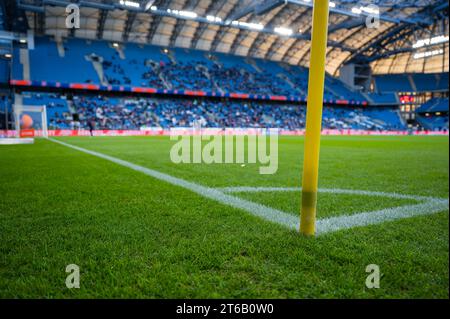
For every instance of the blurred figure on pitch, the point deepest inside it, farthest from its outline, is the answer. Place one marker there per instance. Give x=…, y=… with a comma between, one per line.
x=91, y=125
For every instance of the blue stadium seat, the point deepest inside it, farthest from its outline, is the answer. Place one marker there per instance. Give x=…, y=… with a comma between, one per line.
x=136, y=113
x=393, y=83
x=4, y=70
x=58, y=114
x=383, y=98
x=428, y=82
x=434, y=105
x=177, y=69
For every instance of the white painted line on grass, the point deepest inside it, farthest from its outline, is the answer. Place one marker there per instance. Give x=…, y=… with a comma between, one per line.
x=255, y=189
x=430, y=205
x=331, y=224
x=264, y=212
x=250, y=189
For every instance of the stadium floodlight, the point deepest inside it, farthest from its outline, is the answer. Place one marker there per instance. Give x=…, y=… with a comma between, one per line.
x=431, y=41
x=427, y=54
x=128, y=3
x=149, y=5
x=256, y=26
x=213, y=18
x=8, y=55
x=283, y=31
x=332, y=4
x=23, y=41
x=188, y=14
x=183, y=13
x=314, y=107
x=356, y=10
x=250, y=25
x=370, y=10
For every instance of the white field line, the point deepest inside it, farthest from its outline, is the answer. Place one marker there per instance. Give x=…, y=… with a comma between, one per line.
x=430, y=205
x=327, y=225
x=331, y=224
x=250, y=189
x=264, y=212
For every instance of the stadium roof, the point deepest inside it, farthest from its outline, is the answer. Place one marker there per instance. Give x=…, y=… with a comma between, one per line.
x=270, y=29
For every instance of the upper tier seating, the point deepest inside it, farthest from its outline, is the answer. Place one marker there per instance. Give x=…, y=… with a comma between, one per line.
x=4, y=70
x=426, y=82
x=393, y=83
x=151, y=66
x=341, y=91
x=47, y=65
x=434, y=105
x=415, y=82
x=383, y=98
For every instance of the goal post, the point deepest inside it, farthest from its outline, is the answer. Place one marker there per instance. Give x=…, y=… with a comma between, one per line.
x=32, y=118
x=314, y=117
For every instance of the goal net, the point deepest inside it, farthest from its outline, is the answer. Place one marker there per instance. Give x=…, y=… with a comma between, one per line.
x=30, y=120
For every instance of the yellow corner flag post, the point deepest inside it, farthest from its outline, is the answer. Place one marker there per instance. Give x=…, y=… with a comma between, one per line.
x=314, y=117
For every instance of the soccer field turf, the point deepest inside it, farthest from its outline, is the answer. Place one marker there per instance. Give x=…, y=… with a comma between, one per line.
x=136, y=236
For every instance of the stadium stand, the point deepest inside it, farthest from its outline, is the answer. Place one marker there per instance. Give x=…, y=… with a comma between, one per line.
x=4, y=63
x=340, y=91
x=170, y=65
x=427, y=82
x=138, y=113
x=414, y=82
x=433, y=115
x=58, y=113
x=393, y=83
x=433, y=122
x=383, y=98
x=176, y=69
x=434, y=105
x=63, y=68
x=4, y=71
x=133, y=65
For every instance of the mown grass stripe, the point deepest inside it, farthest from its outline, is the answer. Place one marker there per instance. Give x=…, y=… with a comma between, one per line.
x=325, y=225
x=264, y=212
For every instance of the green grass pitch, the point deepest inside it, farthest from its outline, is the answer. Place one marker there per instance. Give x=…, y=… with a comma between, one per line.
x=137, y=237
